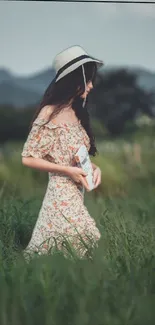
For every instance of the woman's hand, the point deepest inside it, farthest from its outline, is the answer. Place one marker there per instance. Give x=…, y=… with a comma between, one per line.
x=78, y=175
x=97, y=176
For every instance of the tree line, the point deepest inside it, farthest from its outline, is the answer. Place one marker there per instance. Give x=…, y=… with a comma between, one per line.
x=115, y=100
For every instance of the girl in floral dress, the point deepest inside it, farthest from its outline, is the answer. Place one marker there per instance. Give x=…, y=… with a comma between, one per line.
x=60, y=126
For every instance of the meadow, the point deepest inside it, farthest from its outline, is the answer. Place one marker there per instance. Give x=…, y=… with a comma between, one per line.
x=116, y=286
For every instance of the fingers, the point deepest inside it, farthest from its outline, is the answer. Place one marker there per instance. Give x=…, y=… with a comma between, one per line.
x=84, y=183
x=97, y=177
x=83, y=173
x=98, y=182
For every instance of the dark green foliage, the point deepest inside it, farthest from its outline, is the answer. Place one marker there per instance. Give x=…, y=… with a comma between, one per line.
x=118, y=99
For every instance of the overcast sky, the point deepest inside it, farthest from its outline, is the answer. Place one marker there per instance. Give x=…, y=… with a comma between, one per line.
x=32, y=33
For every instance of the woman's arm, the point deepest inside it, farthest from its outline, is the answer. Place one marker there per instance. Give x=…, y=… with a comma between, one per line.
x=74, y=172
x=44, y=165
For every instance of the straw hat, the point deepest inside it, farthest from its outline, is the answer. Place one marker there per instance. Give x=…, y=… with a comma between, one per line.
x=70, y=59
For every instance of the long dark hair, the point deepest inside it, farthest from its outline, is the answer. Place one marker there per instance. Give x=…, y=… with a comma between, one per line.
x=71, y=87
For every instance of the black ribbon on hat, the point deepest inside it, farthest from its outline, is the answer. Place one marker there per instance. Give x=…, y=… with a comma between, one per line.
x=67, y=65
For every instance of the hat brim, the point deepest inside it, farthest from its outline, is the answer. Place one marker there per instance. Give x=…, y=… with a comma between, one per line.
x=77, y=65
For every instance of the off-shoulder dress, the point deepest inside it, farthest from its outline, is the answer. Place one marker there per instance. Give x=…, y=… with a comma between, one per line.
x=63, y=214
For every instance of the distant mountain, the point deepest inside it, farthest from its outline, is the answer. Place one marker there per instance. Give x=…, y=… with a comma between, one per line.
x=19, y=97
x=38, y=82
x=5, y=75
x=21, y=92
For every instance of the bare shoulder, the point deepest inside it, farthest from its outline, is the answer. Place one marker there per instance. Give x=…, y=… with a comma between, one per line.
x=46, y=111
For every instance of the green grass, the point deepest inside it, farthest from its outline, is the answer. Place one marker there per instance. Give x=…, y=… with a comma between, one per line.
x=116, y=286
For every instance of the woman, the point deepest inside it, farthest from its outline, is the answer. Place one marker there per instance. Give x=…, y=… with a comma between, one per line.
x=51, y=146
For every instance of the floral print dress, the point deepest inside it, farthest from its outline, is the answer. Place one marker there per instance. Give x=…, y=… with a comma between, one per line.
x=63, y=217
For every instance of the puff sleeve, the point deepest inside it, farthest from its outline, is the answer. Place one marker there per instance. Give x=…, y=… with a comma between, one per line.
x=39, y=143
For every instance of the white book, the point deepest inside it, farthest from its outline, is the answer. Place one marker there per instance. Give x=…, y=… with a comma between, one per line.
x=83, y=161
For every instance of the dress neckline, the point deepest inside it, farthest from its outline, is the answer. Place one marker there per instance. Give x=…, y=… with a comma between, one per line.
x=52, y=122
x=65, y=123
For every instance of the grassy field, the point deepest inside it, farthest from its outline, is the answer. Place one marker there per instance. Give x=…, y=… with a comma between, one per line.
x=116, y=286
